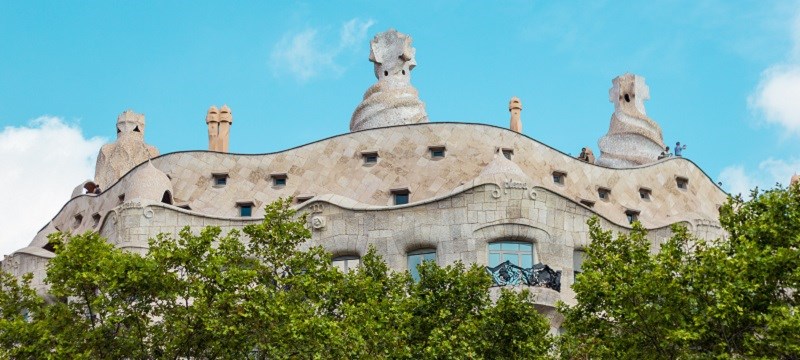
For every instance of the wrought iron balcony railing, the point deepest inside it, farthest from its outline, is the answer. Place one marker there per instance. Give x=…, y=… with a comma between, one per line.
x=539, y=275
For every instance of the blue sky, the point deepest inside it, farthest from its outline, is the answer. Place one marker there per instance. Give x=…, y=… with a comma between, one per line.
x=724, y=77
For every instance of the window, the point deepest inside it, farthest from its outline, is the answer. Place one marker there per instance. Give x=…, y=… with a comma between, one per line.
x=77, y=221
x=588, y=203
x=632, y=215
x=278, y=179
x=508, y=153
x=220, y=179
x=603, y=193
x=558, y=177
x=185, y=206
x=167, y=198
x=303, y=198
x=645, y=193
x=346, y=263
x=401, y=196
x=517, y=252
x=682, y=182
x=121, y=198
x=437, y=152
x=95, y=220
x=418, y=257
x=577, y=261
x=370, y=157
x=245, y=208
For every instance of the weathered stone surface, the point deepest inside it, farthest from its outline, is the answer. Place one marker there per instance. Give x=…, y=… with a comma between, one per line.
x=119, y=157
x=515, y=108
x=392, y=100
x=633, y=138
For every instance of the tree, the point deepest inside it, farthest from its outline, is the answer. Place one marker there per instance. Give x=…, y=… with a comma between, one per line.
x=721, y=298
x=257, y=294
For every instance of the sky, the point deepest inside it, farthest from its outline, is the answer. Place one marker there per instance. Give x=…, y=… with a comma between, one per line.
x=724, y=79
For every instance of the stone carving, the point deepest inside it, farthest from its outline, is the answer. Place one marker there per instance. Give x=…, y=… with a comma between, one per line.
x=318, y=222
x=117, y=158
x=515, y=108
x=392, y=100
x=633, y=138
x=219, y=128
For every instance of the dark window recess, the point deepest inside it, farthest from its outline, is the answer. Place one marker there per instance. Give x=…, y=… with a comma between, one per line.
x=508, y=153
x=645, y=193
x=682, y=182
x=95, y=220
x=220, y=179
x=245, y=209
x=185, y=207
x=401, y=196
x=588, y=203
x=77, y=221
x=577, y=261
x=302, y=199
x=558, y=177
x=50, y=247
x=278, y=179
x=121, y=198
x=437, y=151
x=603, y=193
x=632, y=216
x=370, y=157
x=167, y=198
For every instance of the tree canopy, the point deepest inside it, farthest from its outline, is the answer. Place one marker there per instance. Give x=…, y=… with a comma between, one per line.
x=256, y=294
x=734, y=297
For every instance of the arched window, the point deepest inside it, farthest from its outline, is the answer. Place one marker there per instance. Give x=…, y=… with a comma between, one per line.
x=346, y=263
x=517, y=252
x=417, y=257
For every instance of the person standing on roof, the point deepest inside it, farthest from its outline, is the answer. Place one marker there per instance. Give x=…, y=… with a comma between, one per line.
x=679, y=148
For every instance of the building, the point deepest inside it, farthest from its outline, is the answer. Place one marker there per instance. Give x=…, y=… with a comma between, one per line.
x=416, y=190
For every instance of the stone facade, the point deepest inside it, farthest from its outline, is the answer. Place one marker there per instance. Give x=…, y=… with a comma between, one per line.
x=468, y=186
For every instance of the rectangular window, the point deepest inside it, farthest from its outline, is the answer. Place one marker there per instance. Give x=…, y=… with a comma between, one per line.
x=220, y=179
x=682, y=182
x=245, y=208
x=558, y=177
x=603, y=193
x=516, y=252
x=415, y=258
x=278, y=179
x=632, y=215
x=370, y=157
x=346, y=263
x=437, y=152
x=645, y=193
x=401, y=196
x=577, y=261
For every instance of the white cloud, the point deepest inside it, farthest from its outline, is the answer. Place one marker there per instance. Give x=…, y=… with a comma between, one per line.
x=43, y=162
x=777, y=96
x=305, y=55
x=737, y=180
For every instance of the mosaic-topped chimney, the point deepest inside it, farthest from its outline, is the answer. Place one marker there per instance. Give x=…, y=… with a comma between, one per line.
x=633, y=138
x=392, y=100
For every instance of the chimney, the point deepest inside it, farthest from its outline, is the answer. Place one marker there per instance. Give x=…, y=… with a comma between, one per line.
x=225, y=122
x=212, y=120
x=515, y=108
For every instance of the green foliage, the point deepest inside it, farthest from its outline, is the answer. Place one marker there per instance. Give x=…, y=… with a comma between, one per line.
x=727, y=298
x=258, y=294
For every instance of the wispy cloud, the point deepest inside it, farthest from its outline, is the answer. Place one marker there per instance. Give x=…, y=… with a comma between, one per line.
x=738, y=180
x=307, y=54
x=777, y=96
x=44, y=161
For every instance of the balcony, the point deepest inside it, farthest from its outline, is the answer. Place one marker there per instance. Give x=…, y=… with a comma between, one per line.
x=540, y=275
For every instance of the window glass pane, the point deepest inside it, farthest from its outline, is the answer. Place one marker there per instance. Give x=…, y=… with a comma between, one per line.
x=494, y=259
x=525, y=260
x=577, y=260
x=494, y=246
x=246, y=211
x=400, y=199
x=510, y=246
x=414, y=259
x=525, y=247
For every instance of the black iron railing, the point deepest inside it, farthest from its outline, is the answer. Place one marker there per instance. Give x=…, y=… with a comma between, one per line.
x=539, y=275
